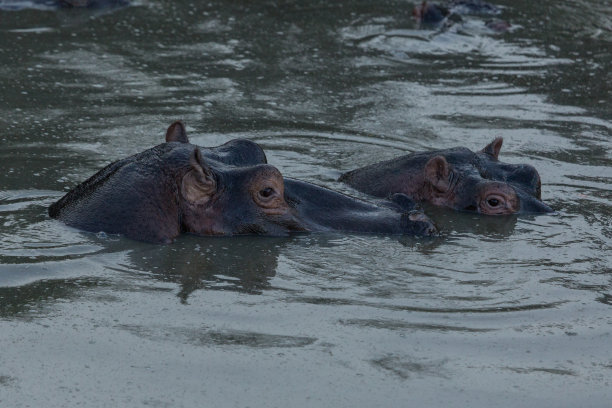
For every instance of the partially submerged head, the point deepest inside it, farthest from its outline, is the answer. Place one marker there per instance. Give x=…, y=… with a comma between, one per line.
x=463, y=180
x=179, y=187
x=457, y=178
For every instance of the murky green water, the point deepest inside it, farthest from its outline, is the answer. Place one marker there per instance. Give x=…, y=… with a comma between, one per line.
x=505, y=312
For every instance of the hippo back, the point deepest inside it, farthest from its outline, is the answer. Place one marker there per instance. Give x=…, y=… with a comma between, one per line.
x=136, y=196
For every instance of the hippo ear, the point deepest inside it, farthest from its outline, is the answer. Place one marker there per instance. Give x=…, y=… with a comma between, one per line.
x=198, y=184
x=494, y=147
x=177, y=133
x=437, y=170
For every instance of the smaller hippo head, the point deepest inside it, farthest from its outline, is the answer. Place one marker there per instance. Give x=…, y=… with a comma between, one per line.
x=457, y=178
x=479, y=182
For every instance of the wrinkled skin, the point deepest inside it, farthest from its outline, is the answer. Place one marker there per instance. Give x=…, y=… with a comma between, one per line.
x=177, y=187
x=457, y=178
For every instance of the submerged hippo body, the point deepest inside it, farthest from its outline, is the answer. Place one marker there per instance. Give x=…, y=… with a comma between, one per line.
x=178, y=187
x=457, y=178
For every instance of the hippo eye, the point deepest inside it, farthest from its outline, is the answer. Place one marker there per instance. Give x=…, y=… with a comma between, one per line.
x=498, y=199
x=266, y=192
x=493, y=202
x=270, y=199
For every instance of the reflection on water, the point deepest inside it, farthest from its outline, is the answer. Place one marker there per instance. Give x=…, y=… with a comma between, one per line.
x=497, y=310
x=245, y=264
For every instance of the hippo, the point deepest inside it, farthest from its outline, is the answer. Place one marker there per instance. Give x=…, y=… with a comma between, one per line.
x=177, y=187
x=430, y=14
x=456, y=178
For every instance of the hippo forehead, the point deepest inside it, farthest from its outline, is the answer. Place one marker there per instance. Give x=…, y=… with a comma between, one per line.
x=177, y=155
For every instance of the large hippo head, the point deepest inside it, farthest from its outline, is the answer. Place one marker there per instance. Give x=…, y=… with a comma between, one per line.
x=179, y=187
x=457, y=178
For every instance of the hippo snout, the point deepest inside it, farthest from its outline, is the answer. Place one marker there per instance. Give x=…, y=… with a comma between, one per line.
x=532, y=205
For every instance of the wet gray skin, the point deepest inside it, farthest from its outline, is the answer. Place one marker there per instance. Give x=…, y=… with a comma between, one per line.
x=170, y=189
x=326, y=210
x=456, y=178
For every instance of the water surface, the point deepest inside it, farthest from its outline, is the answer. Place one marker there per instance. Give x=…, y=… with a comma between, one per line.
x=509, y=311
